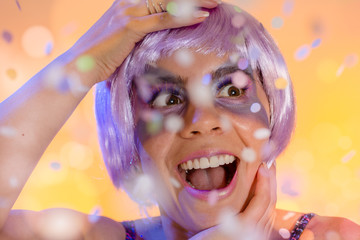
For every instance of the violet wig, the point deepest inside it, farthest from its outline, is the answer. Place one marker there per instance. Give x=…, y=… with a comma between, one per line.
x=113, y=107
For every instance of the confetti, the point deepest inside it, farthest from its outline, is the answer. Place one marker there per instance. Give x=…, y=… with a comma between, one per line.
x=238, y=20
x=262, y=133
x=175, y=182
x=277, y=22
x=154, y=124
x=48, y=48
x=55, y=165
x=332, y=235
x=8, y=132
x=174, y=123
x=7, y=36
x=254, y=53
x=13, y=181
x=182, y=10
x=255, y=107
x=171, y=8
x=225, y=123
x=69, y=28
x=302, y=53
x=143, y=190
x=94, y=215
x=243, y=63
x=200, y=94
x=351, y=60
x=240, y=79
x=281, y=83
x=237, y=9
x=288, y=216
x=234, y=57
x=284, y=233
x=248, y=154
x=288, y=7
x=213, y=198
x=316, y=43
x=184, y=57
x=348, y=156
x=18, y=5
x=287, y=189
x=35, y=41
x=11, y=73
x=340, y=70
x=206, y=79
x=85, y=63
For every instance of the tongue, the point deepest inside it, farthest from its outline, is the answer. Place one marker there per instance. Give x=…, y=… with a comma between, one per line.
x=208, y=179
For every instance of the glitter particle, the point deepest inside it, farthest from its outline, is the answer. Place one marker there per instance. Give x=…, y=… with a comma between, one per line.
x=184, y=57
x=248, y=154
x=255, y=107
x=206, y=79
x=18, y=4
x=281, y=83
x=316, y=43
x=8, y=131
x=175, y=182
x=243, y=63
x=284, y=233
x=238, y=20
x=254, y=53
x=262, y=133
x=277, y=22
x=288, y=7
x=94, y=215
x=200, y=94
x=225, y=123
x=288, y=216
x=302, y=52
x=240, y=79
x=55, y=165
x=351, y=60
x=7, y=36
x=35, y=41
x=85, y=63
x=174, y=123
x=48, y=48
x=11, y=73
x=348, y=156
x=213, y=198
x=332, y=235
x=13, y=182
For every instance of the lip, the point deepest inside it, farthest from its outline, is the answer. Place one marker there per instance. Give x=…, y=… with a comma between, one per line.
x=205, y=194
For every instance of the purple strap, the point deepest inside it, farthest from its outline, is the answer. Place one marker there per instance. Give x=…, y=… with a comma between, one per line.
x=300, y=226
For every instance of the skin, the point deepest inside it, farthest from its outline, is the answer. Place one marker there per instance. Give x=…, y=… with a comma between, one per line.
x=37, y=121
x=203, y=131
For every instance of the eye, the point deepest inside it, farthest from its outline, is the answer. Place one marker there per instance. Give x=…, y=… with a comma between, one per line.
x=231, y=91
x=166, y=99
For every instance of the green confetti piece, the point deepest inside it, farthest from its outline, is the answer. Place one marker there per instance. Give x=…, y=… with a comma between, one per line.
x=172, y=8
x=85, y=63
x=237, y=9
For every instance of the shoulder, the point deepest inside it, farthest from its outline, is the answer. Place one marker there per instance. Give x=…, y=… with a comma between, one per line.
x=334, y=228
x=71, y=224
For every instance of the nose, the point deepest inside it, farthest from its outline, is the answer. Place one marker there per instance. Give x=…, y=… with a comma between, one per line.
x=200, y=122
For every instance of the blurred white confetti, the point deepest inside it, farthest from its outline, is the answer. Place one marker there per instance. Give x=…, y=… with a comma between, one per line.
x=277, y=22
x=262, y=133
x=240, y=79
x=182, y=10
x=143, y=190
x=248, y=154
x=225, y=123
x=255, y=107
x=174, y=123
x=13, y=182
x=288, y=7
x=284, y=233
x=238, y=20
x=175, y=182
x=35, y=41
x=213, y=197
x=184, y=57
x=288, y=216
x=200, y=94
x=332, y=235
x=8, y=131
x=348, y=156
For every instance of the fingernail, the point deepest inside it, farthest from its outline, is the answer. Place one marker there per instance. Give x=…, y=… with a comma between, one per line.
x=269, y=164
x=201, y=14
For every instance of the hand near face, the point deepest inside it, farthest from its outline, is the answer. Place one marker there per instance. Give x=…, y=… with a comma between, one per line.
x=110, y=40
x=257, y=220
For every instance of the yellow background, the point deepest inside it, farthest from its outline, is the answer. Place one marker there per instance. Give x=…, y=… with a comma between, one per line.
x=312, y=174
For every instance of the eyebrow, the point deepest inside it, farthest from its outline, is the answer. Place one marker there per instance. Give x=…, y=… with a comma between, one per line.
x=160, y=75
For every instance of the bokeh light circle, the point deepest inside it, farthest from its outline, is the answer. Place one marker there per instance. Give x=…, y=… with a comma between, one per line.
x=36, y=40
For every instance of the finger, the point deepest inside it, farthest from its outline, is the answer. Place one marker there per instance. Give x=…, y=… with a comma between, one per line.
x=161, y=21
x=262, y=197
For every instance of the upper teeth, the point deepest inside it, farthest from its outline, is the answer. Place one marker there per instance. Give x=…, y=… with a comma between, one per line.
x=204, y=162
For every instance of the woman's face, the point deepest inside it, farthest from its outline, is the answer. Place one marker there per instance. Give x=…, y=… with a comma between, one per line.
x=210, y=111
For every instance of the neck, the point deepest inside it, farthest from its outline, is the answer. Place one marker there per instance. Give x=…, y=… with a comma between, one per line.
x=172, y=230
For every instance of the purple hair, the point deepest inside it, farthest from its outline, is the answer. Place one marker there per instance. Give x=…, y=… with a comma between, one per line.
x=114, y=112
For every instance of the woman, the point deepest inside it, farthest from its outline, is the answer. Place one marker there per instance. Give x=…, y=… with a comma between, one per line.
x=206, y=173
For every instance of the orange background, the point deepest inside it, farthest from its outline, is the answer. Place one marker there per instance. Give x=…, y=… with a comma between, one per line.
x=320, y=170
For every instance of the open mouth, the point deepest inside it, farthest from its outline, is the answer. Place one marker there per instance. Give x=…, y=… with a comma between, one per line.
x=206, y=174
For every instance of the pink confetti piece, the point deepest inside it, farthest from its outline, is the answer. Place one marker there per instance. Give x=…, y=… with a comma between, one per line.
x=284, y=233
x=213, y=197
x=7, y=36
x=18, y=5
x=288, y=7
x=348, y=156
x=238, y=20
x=243, y=63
